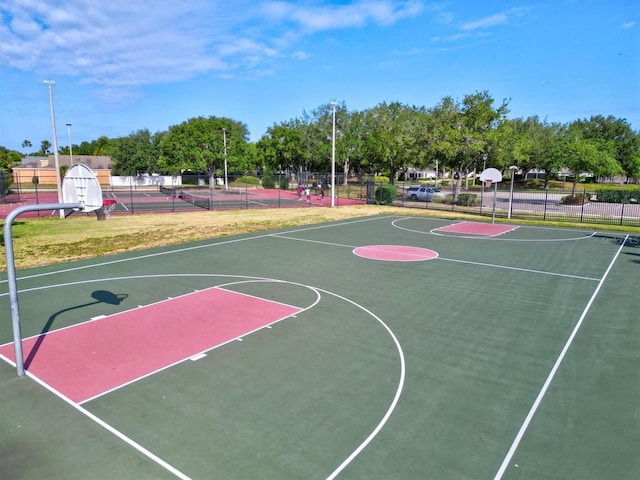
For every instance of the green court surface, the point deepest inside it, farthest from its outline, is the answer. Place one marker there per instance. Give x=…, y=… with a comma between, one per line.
x=512, y=356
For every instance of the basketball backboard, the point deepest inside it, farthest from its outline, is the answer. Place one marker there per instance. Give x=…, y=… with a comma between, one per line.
x=80, y=185
x=491, y=175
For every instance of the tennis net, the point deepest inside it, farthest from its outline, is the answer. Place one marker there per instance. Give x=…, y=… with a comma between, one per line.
x=197, y=200
x=168, y=191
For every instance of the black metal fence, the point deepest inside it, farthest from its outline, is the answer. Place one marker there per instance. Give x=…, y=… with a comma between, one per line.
x=583, y=206
x=280, y=191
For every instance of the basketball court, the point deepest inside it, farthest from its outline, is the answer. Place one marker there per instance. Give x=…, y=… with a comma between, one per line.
x=384, y=347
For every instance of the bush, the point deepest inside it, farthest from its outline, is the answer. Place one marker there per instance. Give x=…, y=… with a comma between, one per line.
x=381, y=179
x=268, y=181
x=249, y=180
x=284, y=182
x=464, y=199
x=578, y=199
x=614, y=195
x=467, y=199
x=386, y=194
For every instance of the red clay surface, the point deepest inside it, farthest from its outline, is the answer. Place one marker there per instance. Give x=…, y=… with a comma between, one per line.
x=478, y=228
x=395, y=253
x=92, y=358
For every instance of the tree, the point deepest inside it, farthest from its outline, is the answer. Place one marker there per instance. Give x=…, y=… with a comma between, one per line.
x=284, y=146
x=466, y=130
x=584, y=155
x=135, y=154
x=26, y=144
x=626, y=143
x=393, y=140
x=45, y=145
x=527, y=143
x=199, y=145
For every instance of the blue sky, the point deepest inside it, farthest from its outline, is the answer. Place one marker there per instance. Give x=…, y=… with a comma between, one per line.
x=124, y=65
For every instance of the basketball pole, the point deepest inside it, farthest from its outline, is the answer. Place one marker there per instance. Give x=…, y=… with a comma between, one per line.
x=333, y=155
x=495, y=194
x=11, y=272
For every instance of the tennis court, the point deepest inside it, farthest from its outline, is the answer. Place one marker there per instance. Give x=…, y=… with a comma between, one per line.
x=387, y=347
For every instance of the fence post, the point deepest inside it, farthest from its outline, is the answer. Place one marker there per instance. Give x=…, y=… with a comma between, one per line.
x=584, y=194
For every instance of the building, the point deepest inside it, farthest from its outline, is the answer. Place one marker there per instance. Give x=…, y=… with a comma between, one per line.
x=43, y=168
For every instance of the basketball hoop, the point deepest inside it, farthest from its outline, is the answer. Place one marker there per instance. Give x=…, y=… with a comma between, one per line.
x=488, y=182
x=104, y=212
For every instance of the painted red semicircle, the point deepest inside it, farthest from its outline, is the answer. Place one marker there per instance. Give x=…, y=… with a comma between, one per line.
x=395, y=253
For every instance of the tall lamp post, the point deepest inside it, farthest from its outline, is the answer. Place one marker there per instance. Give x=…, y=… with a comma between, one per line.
x=50, y=84
x=333, y=155
x=70, y=147
x=224, y=139
x=513, y=169
x=484, y=167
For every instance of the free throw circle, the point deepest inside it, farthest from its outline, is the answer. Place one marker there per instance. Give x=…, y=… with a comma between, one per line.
x=395, y=253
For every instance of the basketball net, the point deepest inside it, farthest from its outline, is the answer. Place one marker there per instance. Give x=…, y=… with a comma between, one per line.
x=104, y=212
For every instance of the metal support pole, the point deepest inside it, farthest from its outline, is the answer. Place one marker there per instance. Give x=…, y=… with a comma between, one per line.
x=333, y=156
x=50, y=84
x=11, y=272
x=495, y=194
x=224, y=140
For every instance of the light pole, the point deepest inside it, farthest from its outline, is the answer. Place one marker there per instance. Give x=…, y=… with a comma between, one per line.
x=333, y=155
x=224, y=139
x=70, y=148
x=50, y=84
x=513, y=169
x=484, y=167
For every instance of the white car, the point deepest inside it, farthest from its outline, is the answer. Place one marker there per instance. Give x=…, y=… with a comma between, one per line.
x=424, y=194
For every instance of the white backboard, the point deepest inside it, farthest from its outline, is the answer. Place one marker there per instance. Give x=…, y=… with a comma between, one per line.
x=80, y=185
x=491, y=175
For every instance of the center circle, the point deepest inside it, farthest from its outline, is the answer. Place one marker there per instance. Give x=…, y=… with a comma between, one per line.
x=395, y=253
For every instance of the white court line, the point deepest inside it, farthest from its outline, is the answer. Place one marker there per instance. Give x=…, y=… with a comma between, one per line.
x=552, y=373
x=186, y=249
x=489, y=237
x=132, y=443
x=244, y=279
x=540, y=272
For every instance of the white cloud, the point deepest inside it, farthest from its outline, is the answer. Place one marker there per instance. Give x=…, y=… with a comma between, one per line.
x=628, y=25
x=317, y=17
x=486, y=22
x=132, y=43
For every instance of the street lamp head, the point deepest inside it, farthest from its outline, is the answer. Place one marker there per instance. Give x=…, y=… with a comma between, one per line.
x=513, y=167
x=68, y=124
x=49, y=82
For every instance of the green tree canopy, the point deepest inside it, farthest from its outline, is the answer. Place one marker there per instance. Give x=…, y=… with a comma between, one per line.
x=198, y=145
x=135, y=154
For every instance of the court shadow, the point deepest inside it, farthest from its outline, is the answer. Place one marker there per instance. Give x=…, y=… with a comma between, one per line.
x=100, y=296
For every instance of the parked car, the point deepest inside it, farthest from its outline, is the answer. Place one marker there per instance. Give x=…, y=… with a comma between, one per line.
x=423, y=194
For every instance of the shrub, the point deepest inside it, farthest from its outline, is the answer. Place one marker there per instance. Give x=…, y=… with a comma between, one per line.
x=284, y=182
x=249, y=180
x=386, y=194
x=381, y=179
x=467, y=199
x=578, y=199
x=614, y=195
x=464, y=199
x=268, y=181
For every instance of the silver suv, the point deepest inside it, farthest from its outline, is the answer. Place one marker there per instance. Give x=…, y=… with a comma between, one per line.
x=424, y=194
